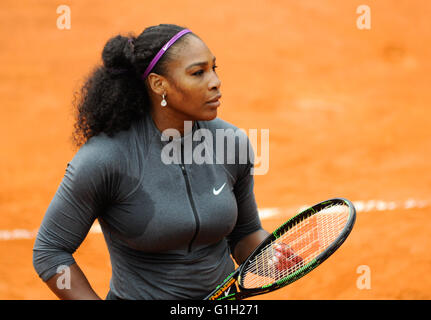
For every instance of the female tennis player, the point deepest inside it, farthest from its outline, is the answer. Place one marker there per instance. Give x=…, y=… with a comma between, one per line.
x=171, y=229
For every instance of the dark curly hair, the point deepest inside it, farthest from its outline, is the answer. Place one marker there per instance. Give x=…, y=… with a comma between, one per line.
x=114, y=94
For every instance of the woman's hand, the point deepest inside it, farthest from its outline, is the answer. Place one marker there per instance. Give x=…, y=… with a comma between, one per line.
x=80, y=288
x=285, y=258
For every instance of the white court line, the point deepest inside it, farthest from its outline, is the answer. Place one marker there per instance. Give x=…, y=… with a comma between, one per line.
x=264, y=213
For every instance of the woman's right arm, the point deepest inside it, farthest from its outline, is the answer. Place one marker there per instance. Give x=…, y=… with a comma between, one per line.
x=81, y=197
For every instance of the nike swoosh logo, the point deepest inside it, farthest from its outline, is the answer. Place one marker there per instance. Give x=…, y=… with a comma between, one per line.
x=226, y=293
x=166, y=46
x=216, y=192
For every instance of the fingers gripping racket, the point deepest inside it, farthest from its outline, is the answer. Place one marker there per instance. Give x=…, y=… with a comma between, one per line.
x=308, y=239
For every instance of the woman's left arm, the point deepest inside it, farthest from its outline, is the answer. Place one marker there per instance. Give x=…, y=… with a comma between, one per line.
x=246, y=245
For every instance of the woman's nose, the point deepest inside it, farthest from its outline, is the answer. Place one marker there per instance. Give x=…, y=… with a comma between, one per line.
x=214, y=82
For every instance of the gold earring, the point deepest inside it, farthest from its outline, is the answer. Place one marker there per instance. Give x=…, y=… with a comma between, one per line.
x=163, y=103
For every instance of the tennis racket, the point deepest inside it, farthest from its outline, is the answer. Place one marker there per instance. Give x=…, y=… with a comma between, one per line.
x=306, y=240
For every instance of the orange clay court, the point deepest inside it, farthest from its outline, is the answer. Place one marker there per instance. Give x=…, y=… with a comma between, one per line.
x=348, y=112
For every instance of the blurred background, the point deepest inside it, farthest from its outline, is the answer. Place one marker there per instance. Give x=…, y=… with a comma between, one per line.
x=344, y=93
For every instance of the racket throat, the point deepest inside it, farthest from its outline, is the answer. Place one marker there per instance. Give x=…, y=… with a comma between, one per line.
x=226, y=289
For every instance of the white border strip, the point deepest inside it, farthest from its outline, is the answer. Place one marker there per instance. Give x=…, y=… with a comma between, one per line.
x=264, y=214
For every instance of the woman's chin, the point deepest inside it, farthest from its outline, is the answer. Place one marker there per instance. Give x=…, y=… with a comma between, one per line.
x=209, y=114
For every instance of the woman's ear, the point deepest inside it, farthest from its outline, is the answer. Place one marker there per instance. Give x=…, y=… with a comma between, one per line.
x=157, y=83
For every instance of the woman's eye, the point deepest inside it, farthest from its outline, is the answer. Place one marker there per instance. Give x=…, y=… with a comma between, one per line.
x=198, y=73
x=201, y=72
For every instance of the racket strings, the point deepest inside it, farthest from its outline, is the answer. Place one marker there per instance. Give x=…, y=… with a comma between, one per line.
x=306, y=240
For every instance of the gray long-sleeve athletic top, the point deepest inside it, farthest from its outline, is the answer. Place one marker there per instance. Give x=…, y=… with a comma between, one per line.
x=169, y=228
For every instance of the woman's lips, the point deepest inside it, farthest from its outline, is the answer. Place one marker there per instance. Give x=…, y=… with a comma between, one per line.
x=214, y=103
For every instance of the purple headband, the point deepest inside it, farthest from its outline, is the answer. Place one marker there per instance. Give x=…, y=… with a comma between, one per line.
x=162, y=51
